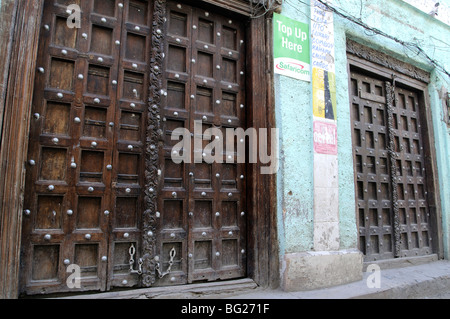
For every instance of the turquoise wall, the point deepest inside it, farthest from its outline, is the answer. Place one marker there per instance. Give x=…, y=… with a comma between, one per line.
x=294, y=114
x=295, y=182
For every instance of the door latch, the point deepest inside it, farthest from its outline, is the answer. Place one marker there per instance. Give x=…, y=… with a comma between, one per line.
x=132, y=252
x=172, y=255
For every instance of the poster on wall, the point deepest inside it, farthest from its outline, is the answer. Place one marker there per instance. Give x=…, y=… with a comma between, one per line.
x=323, y=79
x=291, y=48
x=325, y=138
x=323, y=61
x=324, y=94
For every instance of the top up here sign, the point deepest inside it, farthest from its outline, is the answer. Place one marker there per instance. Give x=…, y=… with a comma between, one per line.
x=291, y=48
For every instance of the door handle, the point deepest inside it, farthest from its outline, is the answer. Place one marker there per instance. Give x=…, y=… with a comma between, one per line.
x=132, y=252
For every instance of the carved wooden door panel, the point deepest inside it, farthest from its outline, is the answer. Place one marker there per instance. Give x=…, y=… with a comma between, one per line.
x=413, y=207
x=390, y=170
x=201, y=205
x=372, y=167
x=83, y=200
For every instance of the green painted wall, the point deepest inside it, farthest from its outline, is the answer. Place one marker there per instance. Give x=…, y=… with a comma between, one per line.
x=294, y=114
x=295, y=182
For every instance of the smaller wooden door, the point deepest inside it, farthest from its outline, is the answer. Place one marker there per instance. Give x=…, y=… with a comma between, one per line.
x=390, y=170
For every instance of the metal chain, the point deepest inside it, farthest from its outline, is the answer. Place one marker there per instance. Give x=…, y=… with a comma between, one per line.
x=132, y=252
x=173, y=253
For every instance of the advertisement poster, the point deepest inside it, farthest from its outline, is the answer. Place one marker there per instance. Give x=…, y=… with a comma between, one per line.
x=323, y=79
x=291, y=48
x=323, y=64
x=325, y=138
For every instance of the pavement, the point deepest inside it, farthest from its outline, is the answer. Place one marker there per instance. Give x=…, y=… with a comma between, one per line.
x=426, y=281
x=429, y=280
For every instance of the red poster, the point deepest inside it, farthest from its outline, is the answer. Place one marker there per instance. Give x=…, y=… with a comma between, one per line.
x=325, y=138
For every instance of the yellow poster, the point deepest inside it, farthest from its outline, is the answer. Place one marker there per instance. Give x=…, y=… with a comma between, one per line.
x=324, y=94
x=319, y=92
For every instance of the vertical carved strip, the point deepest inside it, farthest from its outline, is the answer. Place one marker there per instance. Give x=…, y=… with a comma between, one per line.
x=390, y=94
x=153, y=142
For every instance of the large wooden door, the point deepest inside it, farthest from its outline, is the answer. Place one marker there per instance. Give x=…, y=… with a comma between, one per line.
x=86, y=173
x=390, y=169
x=83, y=200
x=202, y=215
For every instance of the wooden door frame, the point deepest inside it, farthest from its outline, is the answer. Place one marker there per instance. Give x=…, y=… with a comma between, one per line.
x=384, y=66
x=14, y=143
x=262, y=253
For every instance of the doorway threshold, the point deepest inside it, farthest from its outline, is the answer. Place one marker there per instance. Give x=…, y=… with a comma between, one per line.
x=402, y=262
x=213, y=290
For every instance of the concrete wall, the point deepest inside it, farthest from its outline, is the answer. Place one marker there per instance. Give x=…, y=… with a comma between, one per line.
x=298, y=254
